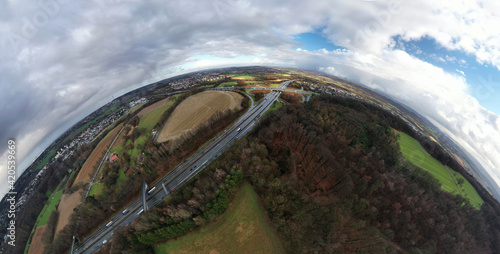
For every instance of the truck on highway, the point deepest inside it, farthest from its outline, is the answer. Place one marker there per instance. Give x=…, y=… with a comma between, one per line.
x=109, y=224
x=151, y=191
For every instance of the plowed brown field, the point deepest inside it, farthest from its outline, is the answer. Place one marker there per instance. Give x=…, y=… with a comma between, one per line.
x=65, y=208
x=36, y=246
x=195, y=110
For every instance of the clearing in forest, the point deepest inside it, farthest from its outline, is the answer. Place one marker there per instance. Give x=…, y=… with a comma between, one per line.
x=195, y=110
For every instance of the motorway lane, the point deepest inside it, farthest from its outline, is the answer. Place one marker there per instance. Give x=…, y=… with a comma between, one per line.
x=185, y=171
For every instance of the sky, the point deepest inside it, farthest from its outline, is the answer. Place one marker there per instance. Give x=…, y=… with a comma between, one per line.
x=60, y=60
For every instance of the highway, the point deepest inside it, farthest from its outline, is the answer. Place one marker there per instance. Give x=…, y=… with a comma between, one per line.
x=183, y=172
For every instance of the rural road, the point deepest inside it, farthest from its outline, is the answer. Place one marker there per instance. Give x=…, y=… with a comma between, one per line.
x=184, y=172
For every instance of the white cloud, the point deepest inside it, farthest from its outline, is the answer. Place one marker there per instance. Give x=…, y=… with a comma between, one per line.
x=461, y=72
x=52, y=74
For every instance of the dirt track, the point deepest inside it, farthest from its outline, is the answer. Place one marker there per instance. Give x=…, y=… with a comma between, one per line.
x=195, y=110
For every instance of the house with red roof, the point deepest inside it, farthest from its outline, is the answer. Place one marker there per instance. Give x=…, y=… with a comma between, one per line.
x=113, y=158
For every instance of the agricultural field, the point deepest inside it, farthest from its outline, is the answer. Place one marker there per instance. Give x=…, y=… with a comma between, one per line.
x=96, y=156
x=65, y=208
x=243, y=228
x=451, y=181
x=242, y=76
x=152, y=107
x=195, y=110
x=36, y=246
x=228, y=84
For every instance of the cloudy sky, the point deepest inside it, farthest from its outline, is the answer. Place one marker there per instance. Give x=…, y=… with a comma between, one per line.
x=60, y=60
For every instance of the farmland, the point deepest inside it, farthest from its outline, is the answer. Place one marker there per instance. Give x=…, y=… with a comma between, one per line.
x=153, y=107
x=36, y=246
x=96, y=156
x=451, y=181
x=228, y=84
x=243, y=228
x=65, y=208
x=195, y=110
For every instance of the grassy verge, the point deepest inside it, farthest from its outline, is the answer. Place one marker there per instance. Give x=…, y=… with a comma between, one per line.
x=276, y=105
x=243, y=228
x=451, y=181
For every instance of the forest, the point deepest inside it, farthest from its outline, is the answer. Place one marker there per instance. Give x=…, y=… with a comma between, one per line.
x=332, y=179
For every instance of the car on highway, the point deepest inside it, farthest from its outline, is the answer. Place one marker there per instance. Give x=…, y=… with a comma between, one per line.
x=125, y=211
x=239, y=129
x=140, y=211
x=105, y=241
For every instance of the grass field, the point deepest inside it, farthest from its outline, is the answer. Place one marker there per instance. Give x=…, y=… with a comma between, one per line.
x=45, y=160
x=243, y=228
x=49, y=207
x=228, y=84
x=149, y=120
x=416, y=154
x=276, y=105
x=195, y=110
x=96, y=189
x=242, y=76
x=134, y=108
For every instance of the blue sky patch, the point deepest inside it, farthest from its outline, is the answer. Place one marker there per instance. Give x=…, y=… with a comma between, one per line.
x=484, y=79
x=315, y=41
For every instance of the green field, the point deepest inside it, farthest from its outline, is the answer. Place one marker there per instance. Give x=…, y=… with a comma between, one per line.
x=416, y=154
x=45, y=160
x=149, y=120
x=242, y=76
x=136, y=107
x=276, y=105
x=228, y=84
x=49, y=207
x=243, y=228
x=96, y=189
